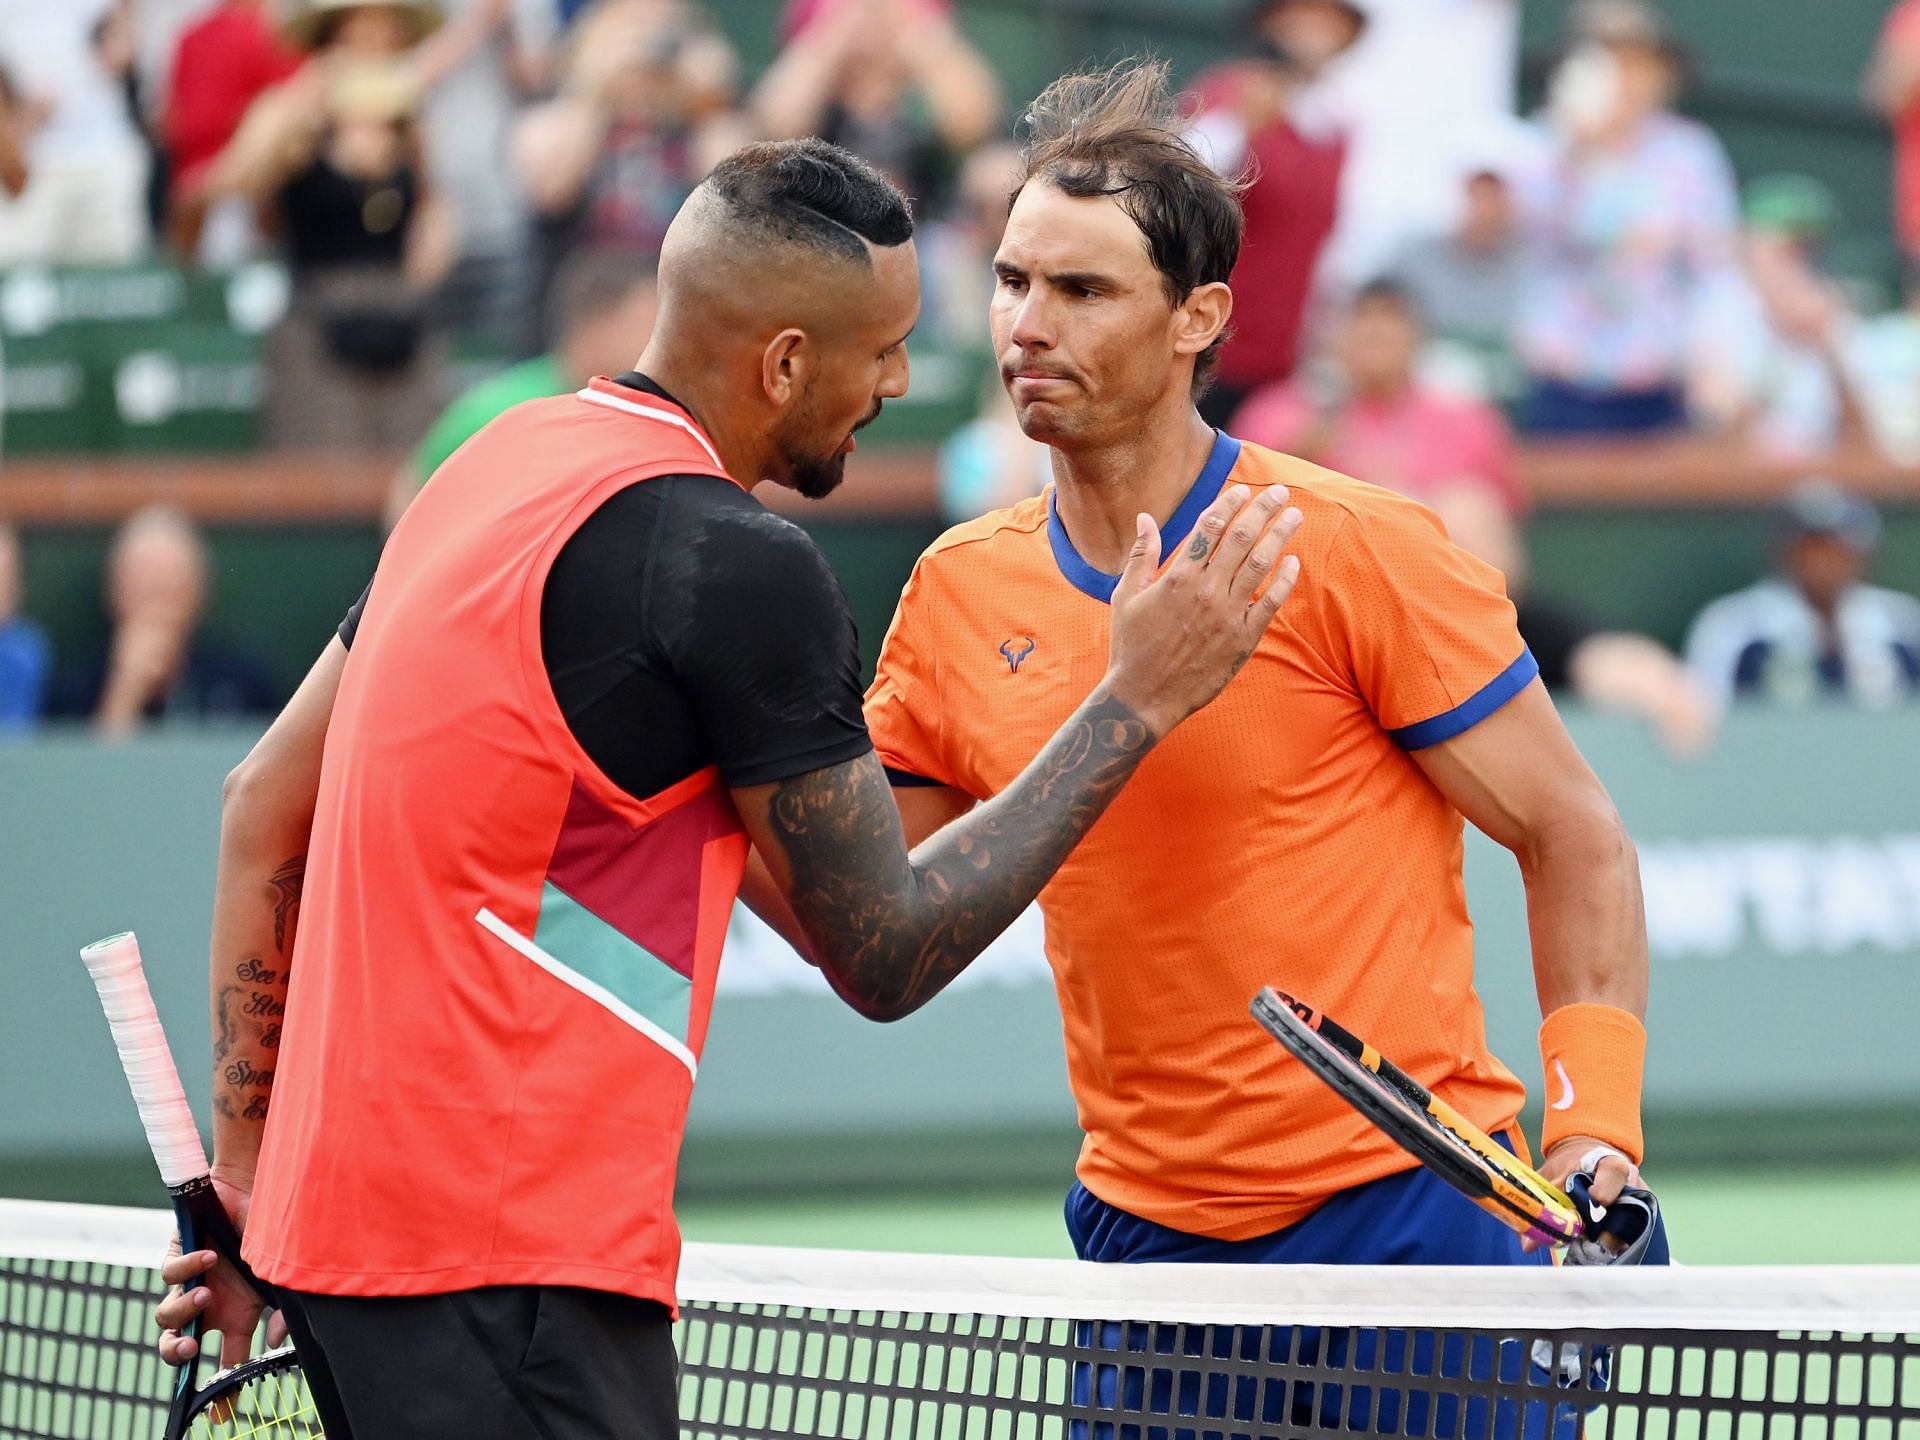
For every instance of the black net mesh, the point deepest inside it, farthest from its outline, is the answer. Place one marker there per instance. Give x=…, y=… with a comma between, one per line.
x=76, y=1360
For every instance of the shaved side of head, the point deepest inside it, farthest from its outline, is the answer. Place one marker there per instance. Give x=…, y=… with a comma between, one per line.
x=770, y=239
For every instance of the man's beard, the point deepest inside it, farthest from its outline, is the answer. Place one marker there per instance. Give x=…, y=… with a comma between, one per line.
x=814, y=476
x=817, y=476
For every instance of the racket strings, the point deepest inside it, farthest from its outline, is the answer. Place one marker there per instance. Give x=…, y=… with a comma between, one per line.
x=272, y=1407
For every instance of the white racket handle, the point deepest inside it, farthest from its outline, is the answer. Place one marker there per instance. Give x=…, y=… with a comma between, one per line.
x=172, y=1134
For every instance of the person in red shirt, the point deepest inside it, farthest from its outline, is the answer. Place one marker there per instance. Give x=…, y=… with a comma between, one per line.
x=1368, y=414
x=222, y=63
x=1256, y=116
x=1894, y=82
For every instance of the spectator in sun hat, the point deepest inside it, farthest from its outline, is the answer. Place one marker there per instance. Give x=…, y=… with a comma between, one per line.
x=1814, y=628
x=333, y=161
x=1258, y=115
x=1633, y=221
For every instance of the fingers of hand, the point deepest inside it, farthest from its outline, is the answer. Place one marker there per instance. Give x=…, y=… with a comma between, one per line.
x=181, y=1308
x=176, y=1349
x=179, y=1269
x=1267, y=576
x=1613, y=1175
x=1212, y=525
x=1242, y=539
x=1143, y=561
x=277, y=1329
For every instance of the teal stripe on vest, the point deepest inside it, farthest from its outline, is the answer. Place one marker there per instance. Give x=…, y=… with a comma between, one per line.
x=633, y=975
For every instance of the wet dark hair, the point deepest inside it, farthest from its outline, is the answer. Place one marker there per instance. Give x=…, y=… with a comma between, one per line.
x=811, y=193
x=1119, y=132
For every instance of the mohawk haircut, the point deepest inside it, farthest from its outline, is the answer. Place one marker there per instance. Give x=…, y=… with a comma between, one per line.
x=1119, y=132
x=812, y=194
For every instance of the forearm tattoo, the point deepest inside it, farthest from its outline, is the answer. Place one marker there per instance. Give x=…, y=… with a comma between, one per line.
x=892, y=935
x=248, y=1007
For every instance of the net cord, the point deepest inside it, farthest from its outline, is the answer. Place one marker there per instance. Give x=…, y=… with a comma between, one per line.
x=1856, y=1299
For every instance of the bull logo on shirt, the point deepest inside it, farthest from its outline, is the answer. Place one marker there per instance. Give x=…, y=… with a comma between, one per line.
x=1016, y=650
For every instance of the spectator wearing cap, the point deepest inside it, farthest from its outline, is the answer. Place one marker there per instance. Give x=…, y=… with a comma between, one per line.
x=160, y=665
x=1633, y=224
x=1893, y=82
x=84, y=200
x=1260, y=115
x=1815, y=628
x=1367, y=412
x=1466, y=283
x=25, y=657
x=332, y=159
x=1781, y=379
x=894, y=81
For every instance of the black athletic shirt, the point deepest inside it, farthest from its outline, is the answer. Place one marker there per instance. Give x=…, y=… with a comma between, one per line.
x=685, y=625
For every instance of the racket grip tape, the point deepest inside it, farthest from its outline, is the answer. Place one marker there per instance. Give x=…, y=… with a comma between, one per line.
x=172, y=1134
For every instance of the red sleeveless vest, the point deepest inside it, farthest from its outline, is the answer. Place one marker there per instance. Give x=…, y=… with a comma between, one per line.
x=504, y=964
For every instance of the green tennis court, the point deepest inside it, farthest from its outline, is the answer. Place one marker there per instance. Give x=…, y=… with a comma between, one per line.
x=1758, y=1216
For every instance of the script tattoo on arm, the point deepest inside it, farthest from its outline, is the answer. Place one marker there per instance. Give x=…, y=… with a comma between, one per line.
x=892, y=931
x=250, y=1003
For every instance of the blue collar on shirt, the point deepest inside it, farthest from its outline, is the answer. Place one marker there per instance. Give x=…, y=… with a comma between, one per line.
x=1099, y=584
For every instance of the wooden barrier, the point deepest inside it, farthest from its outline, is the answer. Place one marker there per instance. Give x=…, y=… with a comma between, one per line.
x=882, y=483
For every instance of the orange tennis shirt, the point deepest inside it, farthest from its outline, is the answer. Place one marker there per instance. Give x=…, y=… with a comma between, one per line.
x=1282, y=836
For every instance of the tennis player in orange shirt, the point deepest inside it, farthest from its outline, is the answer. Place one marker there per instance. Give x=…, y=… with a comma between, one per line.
x=1394, y=699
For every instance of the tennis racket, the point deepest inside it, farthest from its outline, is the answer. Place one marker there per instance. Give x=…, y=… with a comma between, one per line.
x=265, y=1395
x=1421, y=1123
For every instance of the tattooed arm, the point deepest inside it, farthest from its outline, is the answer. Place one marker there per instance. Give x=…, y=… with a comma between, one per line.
x=266, y=815
x=892, y=929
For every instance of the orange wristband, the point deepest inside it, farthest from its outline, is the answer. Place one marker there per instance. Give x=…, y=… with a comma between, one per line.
x=1593, y=1056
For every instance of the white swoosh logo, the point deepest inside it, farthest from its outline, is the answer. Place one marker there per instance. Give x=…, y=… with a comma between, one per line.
x=1565, y=1102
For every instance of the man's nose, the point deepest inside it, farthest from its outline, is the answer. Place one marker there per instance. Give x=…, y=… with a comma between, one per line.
x=1032, y=325
x=894, y=378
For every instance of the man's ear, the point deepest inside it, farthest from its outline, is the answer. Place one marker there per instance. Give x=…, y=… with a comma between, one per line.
x=785, y=366
x=1199, y=319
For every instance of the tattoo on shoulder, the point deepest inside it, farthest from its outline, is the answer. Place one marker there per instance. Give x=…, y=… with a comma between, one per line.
x=286, y=883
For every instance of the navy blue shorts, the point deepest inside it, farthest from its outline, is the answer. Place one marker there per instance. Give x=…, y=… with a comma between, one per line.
x=1412, y=1218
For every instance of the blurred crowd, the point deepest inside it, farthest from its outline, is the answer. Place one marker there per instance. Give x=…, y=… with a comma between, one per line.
x=1429, y=277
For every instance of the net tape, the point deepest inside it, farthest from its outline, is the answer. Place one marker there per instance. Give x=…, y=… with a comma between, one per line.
x=779, y=1343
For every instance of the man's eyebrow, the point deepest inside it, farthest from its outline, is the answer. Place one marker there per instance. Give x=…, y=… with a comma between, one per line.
x=1083, y=279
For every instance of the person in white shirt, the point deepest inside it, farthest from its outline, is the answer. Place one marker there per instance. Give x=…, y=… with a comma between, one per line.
x=1814, y=629
x=84, y=200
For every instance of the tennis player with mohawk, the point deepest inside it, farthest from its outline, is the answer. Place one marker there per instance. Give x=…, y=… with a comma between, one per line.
x=1393, y=701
